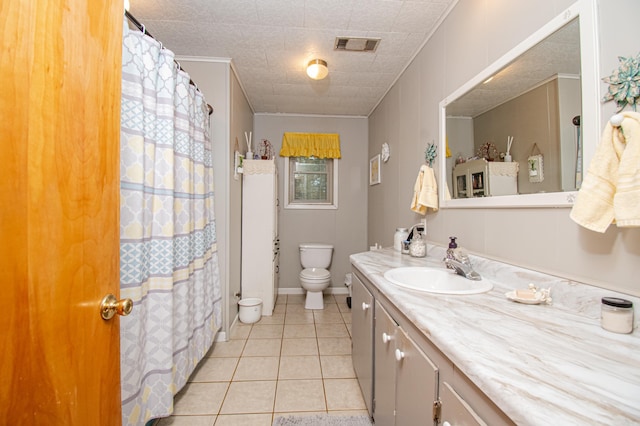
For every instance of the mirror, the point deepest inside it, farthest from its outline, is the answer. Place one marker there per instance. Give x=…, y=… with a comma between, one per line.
x=543, y=96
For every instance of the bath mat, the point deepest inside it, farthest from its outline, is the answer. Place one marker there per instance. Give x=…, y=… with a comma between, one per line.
x=321, y=420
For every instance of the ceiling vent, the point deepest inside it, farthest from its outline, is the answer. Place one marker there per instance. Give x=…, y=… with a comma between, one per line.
x=356, y=44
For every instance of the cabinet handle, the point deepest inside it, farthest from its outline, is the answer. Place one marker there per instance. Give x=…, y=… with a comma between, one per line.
x=386, y=338
x=399, y=355
x=365, y=306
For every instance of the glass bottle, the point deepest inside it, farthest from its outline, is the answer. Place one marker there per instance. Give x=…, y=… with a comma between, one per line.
x=418, y=246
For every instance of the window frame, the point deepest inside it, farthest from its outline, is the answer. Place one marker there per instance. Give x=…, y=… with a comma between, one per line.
x=288, y=176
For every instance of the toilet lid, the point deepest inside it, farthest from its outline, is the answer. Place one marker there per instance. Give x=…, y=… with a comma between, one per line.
x=315, y=274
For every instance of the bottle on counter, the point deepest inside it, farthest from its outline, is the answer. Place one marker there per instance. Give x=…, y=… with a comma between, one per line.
x=400, y=236
x=451, y=250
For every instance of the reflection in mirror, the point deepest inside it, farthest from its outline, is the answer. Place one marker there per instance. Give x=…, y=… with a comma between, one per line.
x=516, y=131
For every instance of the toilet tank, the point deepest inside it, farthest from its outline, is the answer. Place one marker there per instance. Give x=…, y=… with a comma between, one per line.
x=315, y=255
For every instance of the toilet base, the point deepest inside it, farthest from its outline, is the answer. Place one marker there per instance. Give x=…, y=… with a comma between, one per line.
x=314, y=300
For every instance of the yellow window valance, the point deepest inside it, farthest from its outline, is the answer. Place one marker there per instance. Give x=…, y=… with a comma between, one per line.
x=320, y=145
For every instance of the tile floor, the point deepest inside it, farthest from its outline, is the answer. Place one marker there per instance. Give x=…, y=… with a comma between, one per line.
x=296, y=361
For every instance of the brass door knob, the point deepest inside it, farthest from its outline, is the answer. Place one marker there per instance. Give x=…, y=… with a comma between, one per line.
x=111, y=306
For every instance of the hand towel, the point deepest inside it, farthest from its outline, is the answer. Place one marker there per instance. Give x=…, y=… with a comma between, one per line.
x=425, y=191
x=610, y=192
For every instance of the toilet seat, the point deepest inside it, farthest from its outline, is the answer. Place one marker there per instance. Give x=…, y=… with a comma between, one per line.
x=315, y=274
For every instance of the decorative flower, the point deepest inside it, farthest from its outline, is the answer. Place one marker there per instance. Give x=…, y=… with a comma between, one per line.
x=487, y=151
x=624, y=83
x=430, y=154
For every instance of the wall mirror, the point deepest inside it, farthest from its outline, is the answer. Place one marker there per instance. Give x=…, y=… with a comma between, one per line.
x=544, y=95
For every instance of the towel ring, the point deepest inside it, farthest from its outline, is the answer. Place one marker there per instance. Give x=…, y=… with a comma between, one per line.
x=616, y=120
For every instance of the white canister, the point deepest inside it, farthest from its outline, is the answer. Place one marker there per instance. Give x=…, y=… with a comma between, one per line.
x=250, y=310
x=617, y=315
x=401, y=235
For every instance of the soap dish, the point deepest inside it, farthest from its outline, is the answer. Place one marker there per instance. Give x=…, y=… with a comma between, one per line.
x=531, y=296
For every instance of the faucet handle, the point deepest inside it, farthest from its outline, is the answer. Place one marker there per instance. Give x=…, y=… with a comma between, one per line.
x=461, y=257
x=464, y=269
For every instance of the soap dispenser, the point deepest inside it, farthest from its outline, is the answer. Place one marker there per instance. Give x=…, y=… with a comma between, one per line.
x=450, y=250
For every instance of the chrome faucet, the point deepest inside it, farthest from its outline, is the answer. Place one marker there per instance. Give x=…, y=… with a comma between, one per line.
x=463, y=267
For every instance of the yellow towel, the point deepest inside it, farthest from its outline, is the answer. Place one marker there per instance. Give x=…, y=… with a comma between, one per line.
x=610, y=192
x=425, y=191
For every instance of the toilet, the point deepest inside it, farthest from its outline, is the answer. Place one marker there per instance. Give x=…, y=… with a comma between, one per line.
x=314, y=277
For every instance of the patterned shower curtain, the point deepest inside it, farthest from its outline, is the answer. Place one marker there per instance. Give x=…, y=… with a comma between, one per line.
x=168, y=257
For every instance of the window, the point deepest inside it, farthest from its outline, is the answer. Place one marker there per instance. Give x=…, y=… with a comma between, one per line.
x=311, y=183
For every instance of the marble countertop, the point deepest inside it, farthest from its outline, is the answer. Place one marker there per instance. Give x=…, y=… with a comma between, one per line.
x=541, y=364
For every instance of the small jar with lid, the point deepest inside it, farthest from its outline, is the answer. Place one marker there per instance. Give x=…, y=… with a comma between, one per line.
x=617, y=315
x=399, y=237
x=418, y=246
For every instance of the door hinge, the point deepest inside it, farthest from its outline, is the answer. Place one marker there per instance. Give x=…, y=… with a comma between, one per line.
x=437, y=406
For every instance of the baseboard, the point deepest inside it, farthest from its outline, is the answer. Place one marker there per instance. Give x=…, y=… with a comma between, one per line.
x=300, y=290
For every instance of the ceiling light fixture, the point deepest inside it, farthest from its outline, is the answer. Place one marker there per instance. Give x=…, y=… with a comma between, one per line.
x=317, y=69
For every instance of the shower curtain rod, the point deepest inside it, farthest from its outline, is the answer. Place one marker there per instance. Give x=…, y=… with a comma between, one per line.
x=143, y=30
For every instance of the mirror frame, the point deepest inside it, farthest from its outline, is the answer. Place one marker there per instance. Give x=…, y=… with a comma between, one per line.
x=586, y=11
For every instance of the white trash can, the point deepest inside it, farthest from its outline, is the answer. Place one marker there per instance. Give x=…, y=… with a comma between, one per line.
x=250, y=310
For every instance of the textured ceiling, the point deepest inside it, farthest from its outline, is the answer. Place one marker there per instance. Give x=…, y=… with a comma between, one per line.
x=557, y=54
x=270, y=41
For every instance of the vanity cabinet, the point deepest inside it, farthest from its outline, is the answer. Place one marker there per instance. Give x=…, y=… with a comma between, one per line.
x=362, y=338
x=405, y=379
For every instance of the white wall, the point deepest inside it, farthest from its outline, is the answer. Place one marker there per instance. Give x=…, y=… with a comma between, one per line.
x=474, y=35
x=231, y=117
x=346, y=227
x=241, y=121
x=460, y=135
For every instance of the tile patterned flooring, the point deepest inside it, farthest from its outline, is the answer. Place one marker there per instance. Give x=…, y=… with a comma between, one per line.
x=296, y=361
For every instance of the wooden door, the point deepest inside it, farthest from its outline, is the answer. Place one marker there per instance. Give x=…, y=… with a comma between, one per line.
x=60, y=66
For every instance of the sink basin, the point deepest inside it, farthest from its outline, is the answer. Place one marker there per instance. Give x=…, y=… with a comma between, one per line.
x=434, y=280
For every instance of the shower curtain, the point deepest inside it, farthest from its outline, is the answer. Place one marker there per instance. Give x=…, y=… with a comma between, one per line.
x=168, y=257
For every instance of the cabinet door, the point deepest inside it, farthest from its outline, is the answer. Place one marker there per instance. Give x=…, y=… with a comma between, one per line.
x=416, y=383
x=455, y=411
x=478, y=178
x=460, y=182
x=362, y=339
x=384, y=375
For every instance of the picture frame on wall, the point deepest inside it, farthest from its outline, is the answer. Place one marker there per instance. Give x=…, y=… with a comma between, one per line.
x=535, y=166
x=374, y=170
